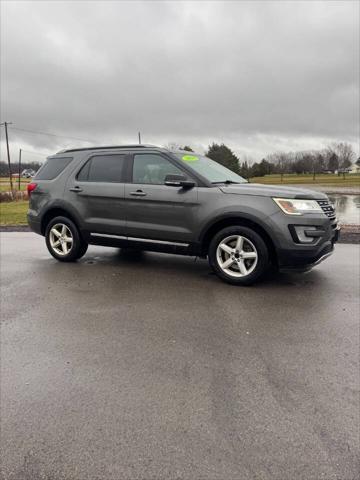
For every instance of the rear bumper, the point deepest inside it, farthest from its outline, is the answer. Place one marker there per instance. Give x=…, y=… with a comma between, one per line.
x=34, y=223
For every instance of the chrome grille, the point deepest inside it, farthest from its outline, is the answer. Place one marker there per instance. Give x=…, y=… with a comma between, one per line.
x=328, y=208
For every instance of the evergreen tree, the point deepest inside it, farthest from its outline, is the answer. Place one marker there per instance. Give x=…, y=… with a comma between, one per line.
x=223, y=155
x=333, y=162
x=245, y=170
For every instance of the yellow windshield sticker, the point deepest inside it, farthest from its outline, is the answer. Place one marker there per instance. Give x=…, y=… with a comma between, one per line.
x=190, y=158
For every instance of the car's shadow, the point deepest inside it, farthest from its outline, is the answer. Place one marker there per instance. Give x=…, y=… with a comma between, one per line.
x=163, y=264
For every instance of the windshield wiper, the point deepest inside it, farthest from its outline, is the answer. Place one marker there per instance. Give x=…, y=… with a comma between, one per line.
x=227, y=182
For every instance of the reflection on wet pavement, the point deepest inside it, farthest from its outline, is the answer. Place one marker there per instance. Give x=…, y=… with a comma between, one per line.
x=347, y=207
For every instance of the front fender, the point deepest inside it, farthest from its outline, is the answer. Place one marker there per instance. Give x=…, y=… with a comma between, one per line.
x=233, y=215
x=259, y=214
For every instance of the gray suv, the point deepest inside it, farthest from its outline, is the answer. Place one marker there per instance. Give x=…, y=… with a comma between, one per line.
x=150, y=198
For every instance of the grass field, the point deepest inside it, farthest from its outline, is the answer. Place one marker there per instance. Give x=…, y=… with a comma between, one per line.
x=13, y=213
x=352, y=180
x=5, y=183
x=321, y=179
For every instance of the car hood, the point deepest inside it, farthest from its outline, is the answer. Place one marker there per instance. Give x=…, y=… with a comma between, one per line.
x=272, y=191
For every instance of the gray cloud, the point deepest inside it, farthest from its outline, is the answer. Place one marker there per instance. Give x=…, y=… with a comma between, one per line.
x=259, y=76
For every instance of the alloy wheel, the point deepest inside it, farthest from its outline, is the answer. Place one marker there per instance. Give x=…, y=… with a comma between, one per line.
x=237, y=256
x=61, y=239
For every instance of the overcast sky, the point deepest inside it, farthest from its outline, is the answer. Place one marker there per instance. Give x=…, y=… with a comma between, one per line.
x=260, y=76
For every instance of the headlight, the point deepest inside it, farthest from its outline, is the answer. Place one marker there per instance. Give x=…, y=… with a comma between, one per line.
x=293, y=206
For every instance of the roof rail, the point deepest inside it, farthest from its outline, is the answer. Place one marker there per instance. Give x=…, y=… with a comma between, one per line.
x=107, y=147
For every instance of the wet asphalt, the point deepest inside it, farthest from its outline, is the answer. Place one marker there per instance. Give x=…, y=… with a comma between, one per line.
x=146, y=366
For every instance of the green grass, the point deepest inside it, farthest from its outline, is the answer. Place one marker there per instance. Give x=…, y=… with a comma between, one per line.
x=5, y=183
x=13, y=213
x=352, y=180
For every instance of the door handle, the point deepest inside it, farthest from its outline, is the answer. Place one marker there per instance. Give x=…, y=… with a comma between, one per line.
x=76, y=189
x=138, y=193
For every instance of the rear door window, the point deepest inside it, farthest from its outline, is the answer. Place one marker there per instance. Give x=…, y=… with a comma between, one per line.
x=52, y=168
x=103, y=168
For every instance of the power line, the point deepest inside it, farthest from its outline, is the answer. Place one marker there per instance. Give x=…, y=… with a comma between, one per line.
x=51, y=134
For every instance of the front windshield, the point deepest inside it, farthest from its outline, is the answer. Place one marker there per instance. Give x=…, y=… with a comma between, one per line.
x=211, y=170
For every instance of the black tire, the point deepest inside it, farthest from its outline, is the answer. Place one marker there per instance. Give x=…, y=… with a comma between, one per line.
x=78, y=246
x=83, y=249
x=255, y=245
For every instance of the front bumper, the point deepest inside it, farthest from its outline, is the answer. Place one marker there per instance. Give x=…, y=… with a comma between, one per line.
x=296, y=259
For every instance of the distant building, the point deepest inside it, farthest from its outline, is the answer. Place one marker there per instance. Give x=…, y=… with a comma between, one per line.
x=28, y=173
x=354, y=168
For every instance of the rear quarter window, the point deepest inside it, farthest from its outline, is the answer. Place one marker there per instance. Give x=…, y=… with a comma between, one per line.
x=53, y=167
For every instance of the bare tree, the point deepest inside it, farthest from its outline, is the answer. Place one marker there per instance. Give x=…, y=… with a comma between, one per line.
x=172, y=146
x=345, y=153
x=332, y=159
x=335, y=157
x=339, y=156
x=282, y=162
x=319, y=162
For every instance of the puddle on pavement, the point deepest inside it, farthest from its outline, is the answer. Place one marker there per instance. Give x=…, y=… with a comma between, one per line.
x=347, y=207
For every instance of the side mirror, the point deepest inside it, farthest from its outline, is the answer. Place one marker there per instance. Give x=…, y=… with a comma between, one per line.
x=178, y=181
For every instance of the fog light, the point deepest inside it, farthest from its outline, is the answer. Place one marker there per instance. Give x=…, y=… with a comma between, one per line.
x=307, y=234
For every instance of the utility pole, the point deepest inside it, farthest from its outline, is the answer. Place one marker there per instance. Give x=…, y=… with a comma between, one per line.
x=19, y=169
x=8, y=153
x=139, y=138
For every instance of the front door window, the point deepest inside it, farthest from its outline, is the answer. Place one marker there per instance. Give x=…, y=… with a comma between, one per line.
x=152, y=169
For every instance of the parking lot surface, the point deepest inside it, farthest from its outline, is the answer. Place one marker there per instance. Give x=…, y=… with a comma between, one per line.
x=146, y=366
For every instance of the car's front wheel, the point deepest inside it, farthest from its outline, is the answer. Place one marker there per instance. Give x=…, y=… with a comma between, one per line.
x=238, y=255
x=63, y=240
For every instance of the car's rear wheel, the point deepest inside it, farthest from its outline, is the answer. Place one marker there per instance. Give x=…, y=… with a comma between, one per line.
x=64, y=241
x=238, y=255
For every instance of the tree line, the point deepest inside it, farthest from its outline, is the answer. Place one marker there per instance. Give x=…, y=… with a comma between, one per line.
x=4, y=169
x=335, y=158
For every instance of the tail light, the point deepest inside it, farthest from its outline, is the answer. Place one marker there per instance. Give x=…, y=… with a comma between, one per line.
x=30, y=188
